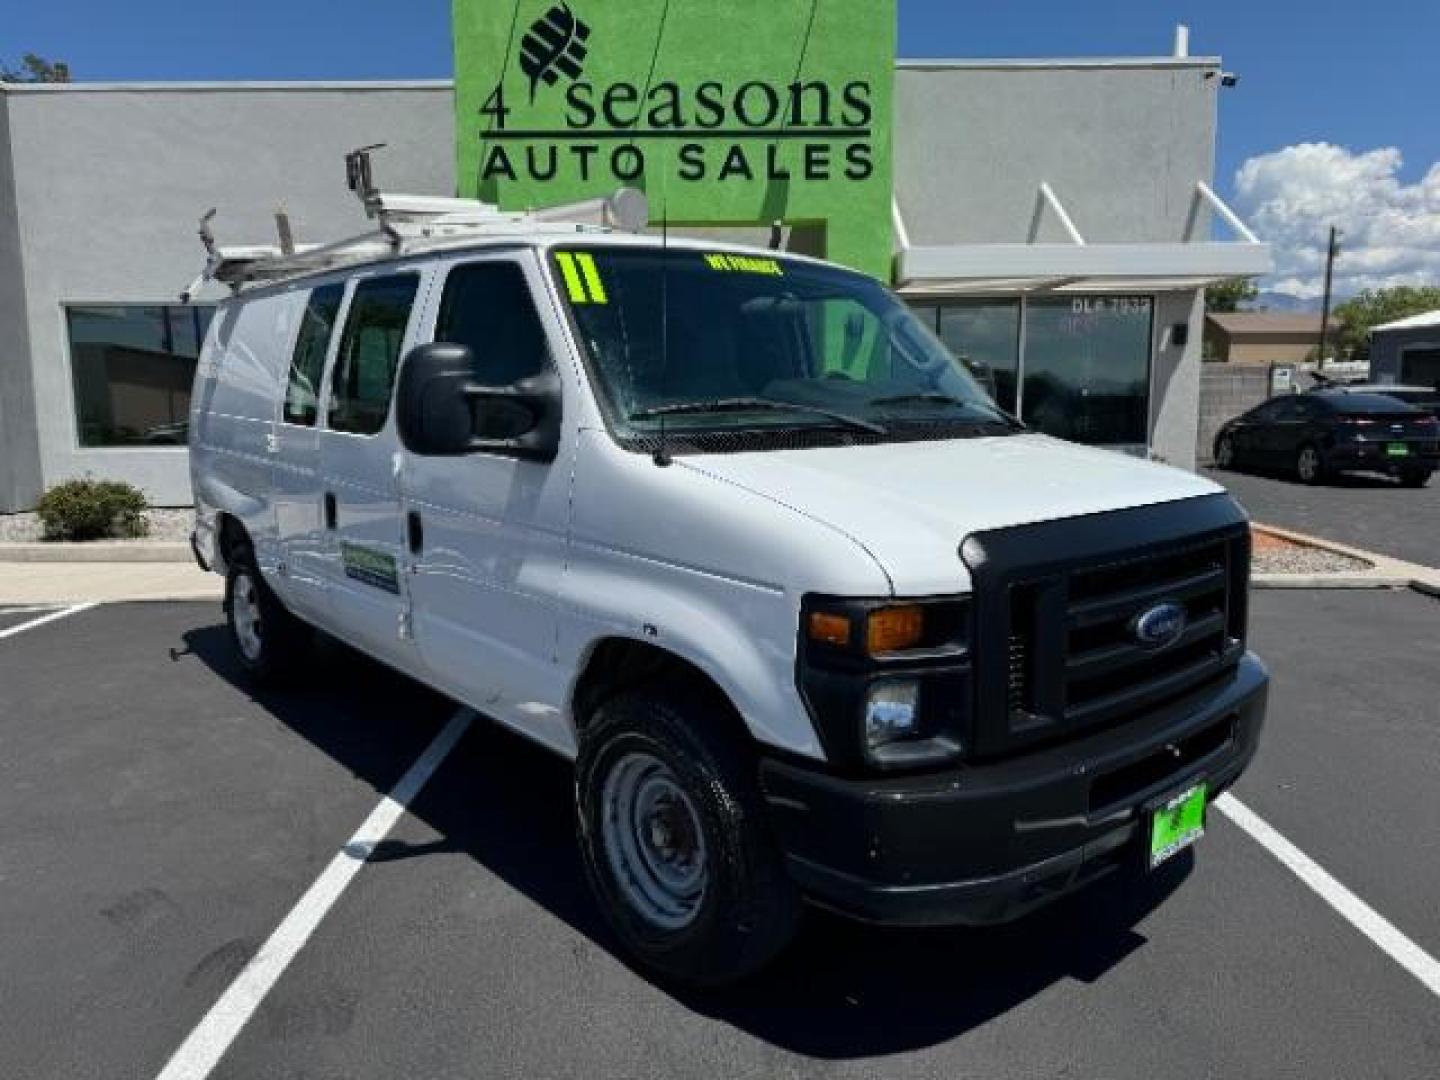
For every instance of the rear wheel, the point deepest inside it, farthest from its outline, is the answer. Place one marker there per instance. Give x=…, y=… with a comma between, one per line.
x=1309, y=465
x=1415, y=478
x=675, y=840
x=1225, y=453
x=269, y=641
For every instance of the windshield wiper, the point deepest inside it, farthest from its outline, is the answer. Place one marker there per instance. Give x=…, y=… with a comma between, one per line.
x=747, y=404
x=918, y=398
x=988, y=414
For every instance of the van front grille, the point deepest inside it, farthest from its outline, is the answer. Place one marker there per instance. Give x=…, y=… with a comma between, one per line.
x=1108, y=672
x=1057, y=607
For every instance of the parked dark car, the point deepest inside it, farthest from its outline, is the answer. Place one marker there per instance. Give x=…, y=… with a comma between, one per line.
x=1324, y=432
x=1424, y=398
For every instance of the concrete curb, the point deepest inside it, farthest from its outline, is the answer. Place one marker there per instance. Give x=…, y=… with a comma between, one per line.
x=99, y=551
x=1385, y=572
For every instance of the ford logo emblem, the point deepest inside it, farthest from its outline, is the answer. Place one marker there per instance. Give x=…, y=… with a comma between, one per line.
x=1159, y=626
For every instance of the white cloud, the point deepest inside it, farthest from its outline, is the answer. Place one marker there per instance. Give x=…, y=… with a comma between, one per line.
x=1390, y=231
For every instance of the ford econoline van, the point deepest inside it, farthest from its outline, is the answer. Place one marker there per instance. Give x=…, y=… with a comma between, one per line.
x=730, y=529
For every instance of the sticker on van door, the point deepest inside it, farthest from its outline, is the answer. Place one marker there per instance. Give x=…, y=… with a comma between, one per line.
x=370, y=566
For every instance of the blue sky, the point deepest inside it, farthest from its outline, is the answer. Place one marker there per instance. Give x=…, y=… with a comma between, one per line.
x=1361, y=78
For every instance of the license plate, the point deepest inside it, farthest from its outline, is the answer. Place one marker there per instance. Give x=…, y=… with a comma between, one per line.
x=1397, y=449
x=1176, y=823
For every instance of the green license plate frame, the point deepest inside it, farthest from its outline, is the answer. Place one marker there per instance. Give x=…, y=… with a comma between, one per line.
x=1397, y=449
x=1176, y=821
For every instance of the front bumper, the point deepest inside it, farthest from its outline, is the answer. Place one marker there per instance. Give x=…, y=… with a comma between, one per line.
x=989, y=842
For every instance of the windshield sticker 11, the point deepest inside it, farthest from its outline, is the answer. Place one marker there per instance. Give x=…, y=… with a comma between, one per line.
x=582, y=278
x=744, y=264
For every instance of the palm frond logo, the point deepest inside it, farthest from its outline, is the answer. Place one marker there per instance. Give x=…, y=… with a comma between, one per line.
x=553, y=46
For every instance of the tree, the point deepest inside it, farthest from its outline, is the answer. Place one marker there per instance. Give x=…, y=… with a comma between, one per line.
x=36, y=69
x=1229, y=294
x=1374, y=307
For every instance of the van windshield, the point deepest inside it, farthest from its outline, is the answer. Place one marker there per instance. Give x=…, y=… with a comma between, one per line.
x=721, y=342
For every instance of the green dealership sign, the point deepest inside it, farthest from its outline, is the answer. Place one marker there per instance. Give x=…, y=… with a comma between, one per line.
x=726, y=112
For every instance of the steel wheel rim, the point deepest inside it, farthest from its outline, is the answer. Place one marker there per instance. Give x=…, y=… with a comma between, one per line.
x=654, y=841
x=1309, y=463
x=245, y=615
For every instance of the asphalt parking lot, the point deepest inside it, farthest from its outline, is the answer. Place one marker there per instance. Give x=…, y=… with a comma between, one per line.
x=1365, y=511
x=162, y=821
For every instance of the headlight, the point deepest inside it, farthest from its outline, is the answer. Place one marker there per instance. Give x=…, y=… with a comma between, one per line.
x=887, y=682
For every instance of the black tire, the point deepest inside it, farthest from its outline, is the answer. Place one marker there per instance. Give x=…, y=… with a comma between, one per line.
x=748, y=909
x=270, y=651
x=1309, y=473
x=1224, y=452
x=1414, y=478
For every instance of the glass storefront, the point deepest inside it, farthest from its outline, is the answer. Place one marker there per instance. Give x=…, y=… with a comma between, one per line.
x=132, y=367
x=1077, y=367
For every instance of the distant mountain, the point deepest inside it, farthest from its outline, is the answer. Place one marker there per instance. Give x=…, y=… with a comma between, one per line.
x=1278, y=301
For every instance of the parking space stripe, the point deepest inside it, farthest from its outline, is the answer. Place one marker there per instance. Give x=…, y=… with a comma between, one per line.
x=73, y=609
x=206, y=1044
x=1359, y=914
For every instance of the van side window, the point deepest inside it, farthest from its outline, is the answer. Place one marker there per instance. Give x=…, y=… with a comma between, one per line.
x=370, y=353
x=488, y=307
x=307, y=363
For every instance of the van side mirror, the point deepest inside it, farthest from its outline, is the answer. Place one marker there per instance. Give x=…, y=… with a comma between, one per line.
x=442, y=409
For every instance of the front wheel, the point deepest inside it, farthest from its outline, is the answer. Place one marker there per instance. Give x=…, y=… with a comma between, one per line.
x=1309, y=465
x=269, y=641
x=675, y=840
x=1415, y=478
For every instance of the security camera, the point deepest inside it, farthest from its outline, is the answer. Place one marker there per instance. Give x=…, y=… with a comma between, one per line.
x=1229, y=79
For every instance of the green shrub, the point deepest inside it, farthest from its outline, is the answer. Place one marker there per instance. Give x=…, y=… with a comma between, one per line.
x=92, y=510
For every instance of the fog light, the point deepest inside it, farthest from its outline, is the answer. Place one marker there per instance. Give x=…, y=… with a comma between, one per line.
x=892, y=712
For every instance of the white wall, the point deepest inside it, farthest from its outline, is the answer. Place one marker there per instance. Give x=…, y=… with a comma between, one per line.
x=110, y=183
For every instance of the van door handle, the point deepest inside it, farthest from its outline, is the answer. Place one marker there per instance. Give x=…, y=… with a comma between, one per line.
x=330, y=514
x=415, y=532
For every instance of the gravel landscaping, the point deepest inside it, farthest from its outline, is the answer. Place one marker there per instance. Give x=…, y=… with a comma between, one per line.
x=165, y=525
x=1275, y=555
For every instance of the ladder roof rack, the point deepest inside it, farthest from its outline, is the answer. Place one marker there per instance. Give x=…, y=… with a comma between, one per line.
x=406, y=224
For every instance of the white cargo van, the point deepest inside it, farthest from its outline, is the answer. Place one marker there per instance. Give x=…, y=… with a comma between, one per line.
x=732, y=530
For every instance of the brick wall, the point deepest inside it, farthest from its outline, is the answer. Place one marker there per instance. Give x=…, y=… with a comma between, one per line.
x=1226, y=390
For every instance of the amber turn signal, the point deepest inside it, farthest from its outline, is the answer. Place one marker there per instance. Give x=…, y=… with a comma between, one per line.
x=831, y=629
x=894, y=628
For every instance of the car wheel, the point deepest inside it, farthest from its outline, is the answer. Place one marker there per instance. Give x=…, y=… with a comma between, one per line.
x=1225, y=453
x=1415, y=478
x=269, y=641
x=675, y=841
x=1309, y=465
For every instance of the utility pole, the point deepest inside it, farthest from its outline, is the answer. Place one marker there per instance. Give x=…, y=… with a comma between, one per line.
x=1325, y=310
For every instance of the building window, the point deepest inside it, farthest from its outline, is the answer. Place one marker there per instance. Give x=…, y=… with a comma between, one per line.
x=132, y=367
x=1080, y=370
x=985, y=335
x=1087, y=368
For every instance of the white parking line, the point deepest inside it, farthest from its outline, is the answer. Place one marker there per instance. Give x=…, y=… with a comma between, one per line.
x=1359, y=914
x=73, y=609
x=206, y=1044
x=27, y=609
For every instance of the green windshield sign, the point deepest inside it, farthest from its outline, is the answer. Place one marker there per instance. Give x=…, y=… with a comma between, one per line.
x=742, y=113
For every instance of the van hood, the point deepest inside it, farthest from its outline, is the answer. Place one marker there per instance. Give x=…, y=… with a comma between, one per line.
x=911, y=504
